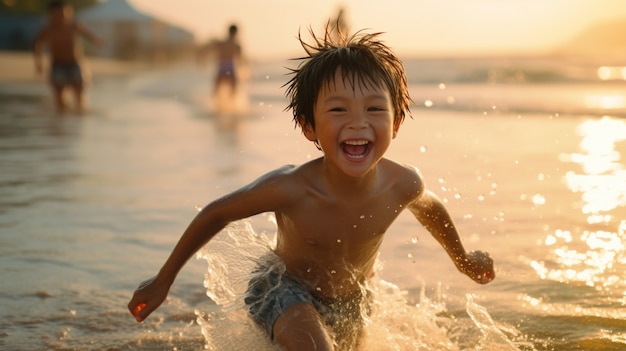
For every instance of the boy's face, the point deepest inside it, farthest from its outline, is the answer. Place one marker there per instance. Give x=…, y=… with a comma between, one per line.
x=354, y=126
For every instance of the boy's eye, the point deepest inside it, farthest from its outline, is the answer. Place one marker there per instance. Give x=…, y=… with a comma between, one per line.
x=337, y=109
x=376, y=108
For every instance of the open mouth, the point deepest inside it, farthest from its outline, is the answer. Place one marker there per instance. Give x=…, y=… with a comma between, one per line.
x=355, y=149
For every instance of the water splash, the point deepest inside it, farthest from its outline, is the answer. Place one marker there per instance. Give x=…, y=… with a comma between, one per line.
x=398, y=320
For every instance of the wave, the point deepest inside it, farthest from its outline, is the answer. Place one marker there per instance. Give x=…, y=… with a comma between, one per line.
x=501, y=70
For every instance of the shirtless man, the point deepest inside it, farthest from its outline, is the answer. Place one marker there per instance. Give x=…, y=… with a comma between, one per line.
x=349, y=97
x=60, y=36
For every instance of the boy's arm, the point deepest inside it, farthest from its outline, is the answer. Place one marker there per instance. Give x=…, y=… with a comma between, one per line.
x=205, y=50
x=151, y=293
x=267, y=193
x=432, y=214
x=38, y=50
x=87, y=34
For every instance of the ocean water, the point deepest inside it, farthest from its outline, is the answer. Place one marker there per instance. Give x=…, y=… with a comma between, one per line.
x=527, y=154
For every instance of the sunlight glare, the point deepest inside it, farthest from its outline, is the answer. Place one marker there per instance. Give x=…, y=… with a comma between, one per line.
x=596, y=258
x=603, y=181
x=612, y=72
x=605, y=102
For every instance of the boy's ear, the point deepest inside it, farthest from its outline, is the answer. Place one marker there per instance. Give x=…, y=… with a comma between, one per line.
x=307, y=129
x=396, y=126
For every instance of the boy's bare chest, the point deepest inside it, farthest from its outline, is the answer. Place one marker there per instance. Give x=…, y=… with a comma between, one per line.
x=63, y=40
x=340, y=225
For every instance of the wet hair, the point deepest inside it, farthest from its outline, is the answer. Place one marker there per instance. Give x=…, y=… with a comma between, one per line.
x=56, y=4
x=232, y=29
x=360, y=56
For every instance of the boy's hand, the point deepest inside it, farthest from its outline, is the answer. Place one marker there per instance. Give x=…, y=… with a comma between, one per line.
x=147, y=298
x=478, y=266
x=38, y=69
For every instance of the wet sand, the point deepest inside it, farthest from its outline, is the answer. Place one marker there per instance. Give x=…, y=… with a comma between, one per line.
x=19, y=67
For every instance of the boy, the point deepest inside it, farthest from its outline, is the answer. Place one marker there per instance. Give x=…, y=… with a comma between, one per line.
x=349, y=97
x=228, y=51
x=59, y=34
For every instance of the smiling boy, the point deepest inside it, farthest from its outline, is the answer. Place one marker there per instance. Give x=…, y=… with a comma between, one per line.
x=349, y=96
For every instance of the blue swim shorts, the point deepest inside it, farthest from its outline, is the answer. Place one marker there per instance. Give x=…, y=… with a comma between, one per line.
x=66, y=73
x=271, y=291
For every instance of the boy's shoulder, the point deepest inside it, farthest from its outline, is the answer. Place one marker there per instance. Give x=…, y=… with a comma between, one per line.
x=404, y=178
x=402, y=170
x=45, y=28
x=284, y=185
x=293, y=175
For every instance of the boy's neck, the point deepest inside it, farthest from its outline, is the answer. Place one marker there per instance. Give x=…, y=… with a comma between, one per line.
x=340, y=183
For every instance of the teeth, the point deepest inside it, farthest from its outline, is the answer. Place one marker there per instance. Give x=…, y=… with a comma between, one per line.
x=356, y=142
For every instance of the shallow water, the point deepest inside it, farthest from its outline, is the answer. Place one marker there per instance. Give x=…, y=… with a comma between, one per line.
x=92, y=205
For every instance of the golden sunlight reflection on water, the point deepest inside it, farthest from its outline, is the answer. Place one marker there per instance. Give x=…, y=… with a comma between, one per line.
x=595, y=258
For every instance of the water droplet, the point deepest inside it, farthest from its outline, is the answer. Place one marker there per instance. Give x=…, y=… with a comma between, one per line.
x=308, y=270
x=539, y=199
x=414, y=240
x=428, y=103
x=423, y=149
x=339, y=240
x=362, y=216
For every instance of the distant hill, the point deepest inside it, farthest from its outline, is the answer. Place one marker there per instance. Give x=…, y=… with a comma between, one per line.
x=606, y=38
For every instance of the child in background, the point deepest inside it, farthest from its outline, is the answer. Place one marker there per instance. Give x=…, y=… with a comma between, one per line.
x=349, y=96
x=228, y=52
x=60, y=35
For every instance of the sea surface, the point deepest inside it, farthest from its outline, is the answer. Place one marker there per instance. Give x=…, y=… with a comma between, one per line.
x=527, y=154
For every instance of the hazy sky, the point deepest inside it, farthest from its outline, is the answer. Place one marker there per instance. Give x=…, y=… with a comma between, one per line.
x=412, y=27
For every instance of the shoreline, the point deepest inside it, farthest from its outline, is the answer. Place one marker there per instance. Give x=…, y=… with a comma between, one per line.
x=19, y=67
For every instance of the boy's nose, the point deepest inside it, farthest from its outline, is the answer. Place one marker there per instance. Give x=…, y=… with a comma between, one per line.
x=358, y=120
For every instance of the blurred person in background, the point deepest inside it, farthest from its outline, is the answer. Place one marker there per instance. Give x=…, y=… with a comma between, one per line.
x=61, y=37
x=228, y=53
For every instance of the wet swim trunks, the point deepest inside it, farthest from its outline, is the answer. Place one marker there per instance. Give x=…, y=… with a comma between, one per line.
x=271, y=291
x=226, y=69
x=64, y=73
